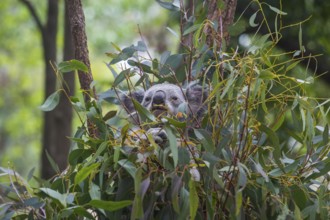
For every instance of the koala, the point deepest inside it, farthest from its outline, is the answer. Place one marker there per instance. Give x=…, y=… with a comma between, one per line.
x=168, y=100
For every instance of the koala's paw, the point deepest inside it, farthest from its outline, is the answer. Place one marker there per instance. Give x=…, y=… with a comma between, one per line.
x=159, y=136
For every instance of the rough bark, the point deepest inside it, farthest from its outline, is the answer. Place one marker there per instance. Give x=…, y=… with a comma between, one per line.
x=77, y=23
x=223, y=13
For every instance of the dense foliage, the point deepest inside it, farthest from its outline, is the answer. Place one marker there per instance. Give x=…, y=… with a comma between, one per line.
x=262, y=147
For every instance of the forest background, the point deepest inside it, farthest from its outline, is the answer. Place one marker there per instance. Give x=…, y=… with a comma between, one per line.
x=121, y=22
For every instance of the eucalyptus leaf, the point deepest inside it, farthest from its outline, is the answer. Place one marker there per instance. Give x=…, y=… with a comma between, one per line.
x=109, y=205
x=51, y=102
x=252, y=20
x=85, y=172
x=72, y=65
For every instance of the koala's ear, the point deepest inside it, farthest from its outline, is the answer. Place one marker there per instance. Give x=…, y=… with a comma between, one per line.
x=126, y=99
x=196, y=93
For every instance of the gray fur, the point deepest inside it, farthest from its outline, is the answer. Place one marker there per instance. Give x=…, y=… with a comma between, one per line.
x=166, y=99
x=161, y=98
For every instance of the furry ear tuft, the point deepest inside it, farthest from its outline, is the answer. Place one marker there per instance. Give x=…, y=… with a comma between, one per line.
x=126, y=100
x=196, y=95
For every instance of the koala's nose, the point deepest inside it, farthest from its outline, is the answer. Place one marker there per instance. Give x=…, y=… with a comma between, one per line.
x=159, y=98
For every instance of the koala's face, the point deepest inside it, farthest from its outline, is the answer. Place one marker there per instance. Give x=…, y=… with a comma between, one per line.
x=163, y=99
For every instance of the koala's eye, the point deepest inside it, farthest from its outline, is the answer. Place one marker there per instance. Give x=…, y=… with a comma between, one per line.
x=147, y=99
x=174, y=98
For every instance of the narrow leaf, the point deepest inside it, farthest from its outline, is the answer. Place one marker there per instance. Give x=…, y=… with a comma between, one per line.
x=278, y=11
x=109, y=205
x=128, y=166
x=252, y=20
x=193, y=199
x=121, y=77
x=52, y=163
x=191, y=29
x=205, y=138
x=173, y=144
x=51, y=102
x=85, y=172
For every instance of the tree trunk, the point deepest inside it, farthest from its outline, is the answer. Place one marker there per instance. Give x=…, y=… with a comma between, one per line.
x=62, y=115
x=50, y=138
x=223, y=14
x=77, y=22
x=57, y=123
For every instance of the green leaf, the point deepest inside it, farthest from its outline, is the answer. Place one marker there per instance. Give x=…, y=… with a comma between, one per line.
x=173, y=144
x=80, y=211
x=94, y=191
x=293, y=65
x=266, y=74
x=109, y=205
x=191, y=29
x=128, y=166
x=252, y=20
x=142, y=66
x=34, y=202
x=176, y=123
x=301, y=47
x=85, y=172
x=274, y=140
x=193, y=199
x=72, y=65
x=101, y=148
x=261, y=171
x=278, y=11
x=109, y=115
x=137, y=209
x=121, y=77
x=143, y=112
x=238, y=201
x=116, y=47
x=168, y=5
x=206, y=139
x=175, y=187
x=51, y=102
x=171, y=64
x=55, y=195
x=52, y=163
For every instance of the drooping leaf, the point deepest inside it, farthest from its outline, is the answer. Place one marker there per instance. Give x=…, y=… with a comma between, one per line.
x=191, y=29
x=176, y=184
x=137, y=209
x=252, y=20
x=52, y=163
x=171, y=64
x=206, y=139
x=326, y=135
x=193, y=199
x=109, y=205
x=143, y=112
x=278, y=11
x=55, y=195
x=168, y=5
x=173, y=144
x=51, y=102
x=121, y=77
x=128, y=166
x=72, y=65
x=85, y=172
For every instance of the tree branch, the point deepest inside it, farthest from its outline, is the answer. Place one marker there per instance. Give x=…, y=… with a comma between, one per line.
x=34, y=14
